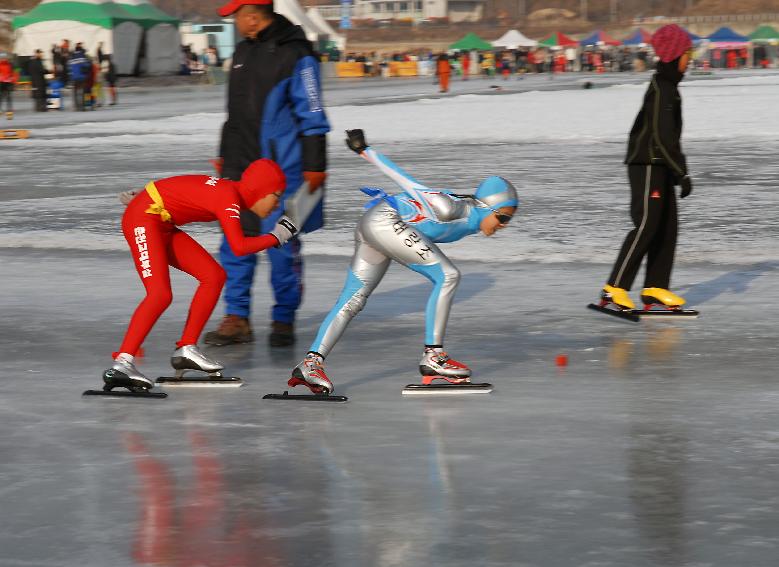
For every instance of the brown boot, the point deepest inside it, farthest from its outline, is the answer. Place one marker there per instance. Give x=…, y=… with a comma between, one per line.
x=282, y=334
x=232, y=330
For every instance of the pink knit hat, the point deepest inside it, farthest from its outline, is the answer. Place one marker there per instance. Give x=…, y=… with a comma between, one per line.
x=670, y=42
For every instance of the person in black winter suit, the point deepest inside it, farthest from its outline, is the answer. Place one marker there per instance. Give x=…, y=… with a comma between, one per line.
x=38, y=80
x=656, y=164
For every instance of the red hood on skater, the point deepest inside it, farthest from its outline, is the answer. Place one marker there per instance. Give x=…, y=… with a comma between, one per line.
x=262, y=178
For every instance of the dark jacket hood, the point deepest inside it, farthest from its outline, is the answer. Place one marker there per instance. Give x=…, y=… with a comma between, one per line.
x=282, y=31
x=670, y=71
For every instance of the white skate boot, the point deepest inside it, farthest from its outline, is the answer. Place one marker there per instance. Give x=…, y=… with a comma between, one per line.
x=189, y=358
x=124, y=374
x=311, y=373
x=437, y=364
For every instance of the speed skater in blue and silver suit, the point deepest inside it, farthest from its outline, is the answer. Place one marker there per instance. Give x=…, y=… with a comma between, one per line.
x=405, y=228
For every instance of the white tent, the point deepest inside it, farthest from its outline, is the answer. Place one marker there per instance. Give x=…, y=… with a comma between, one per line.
x=316, y=17
x=87, y=21
x=514, y=39
x=161, y=39
x=295, y=14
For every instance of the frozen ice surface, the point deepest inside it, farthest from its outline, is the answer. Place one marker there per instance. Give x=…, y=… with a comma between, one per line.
x=656, y=446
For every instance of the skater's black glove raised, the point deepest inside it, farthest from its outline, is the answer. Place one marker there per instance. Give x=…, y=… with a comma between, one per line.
x=284, y=230
x=355, y=141
x=686, y=184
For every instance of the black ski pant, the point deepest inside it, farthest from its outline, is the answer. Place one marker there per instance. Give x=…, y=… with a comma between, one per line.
x=6, y=90
x=78, y=95
x=653, y=210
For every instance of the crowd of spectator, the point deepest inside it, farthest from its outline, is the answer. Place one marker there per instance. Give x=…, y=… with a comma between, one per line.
x=89, y=77
x=597, y=59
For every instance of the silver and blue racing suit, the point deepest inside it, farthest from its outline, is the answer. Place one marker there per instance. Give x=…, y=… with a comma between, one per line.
x=406, y=228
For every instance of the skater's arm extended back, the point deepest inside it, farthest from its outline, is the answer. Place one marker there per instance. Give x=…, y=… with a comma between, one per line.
x=411, y=186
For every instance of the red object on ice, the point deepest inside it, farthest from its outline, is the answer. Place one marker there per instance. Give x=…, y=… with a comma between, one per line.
x=561, y=360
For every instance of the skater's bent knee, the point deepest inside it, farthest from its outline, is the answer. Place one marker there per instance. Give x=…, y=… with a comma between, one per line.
x=451, y=276
x=159, y=299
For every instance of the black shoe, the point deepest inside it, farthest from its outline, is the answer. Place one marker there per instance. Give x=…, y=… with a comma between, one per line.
x=282, y=334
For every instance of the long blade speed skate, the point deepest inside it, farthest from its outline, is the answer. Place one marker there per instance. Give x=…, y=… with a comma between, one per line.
x=447, y=389
x=611, y=309
x=311, y=374
x=661, y=312
x=190, y=359
x=124, y=375
x=306, y=397
x=661, y=303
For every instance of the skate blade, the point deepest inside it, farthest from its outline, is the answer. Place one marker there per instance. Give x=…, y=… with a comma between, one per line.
x=204, y=382
x=446, y=389
x=306, y=397
x=627, y=314
x=662, y=313
x=124, y=394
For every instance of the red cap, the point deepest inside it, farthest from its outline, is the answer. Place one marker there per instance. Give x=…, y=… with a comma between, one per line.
x=233, y=5
x=671, y=42
x=259, y=180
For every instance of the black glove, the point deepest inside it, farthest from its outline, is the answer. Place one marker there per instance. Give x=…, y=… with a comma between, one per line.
x=284, y=230
x=355, y=140
x=686, y=184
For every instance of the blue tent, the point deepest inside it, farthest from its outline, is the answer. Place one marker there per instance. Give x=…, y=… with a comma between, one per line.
x=599, y=37
x=639, y=36
x=693, y=37
x=727, y=35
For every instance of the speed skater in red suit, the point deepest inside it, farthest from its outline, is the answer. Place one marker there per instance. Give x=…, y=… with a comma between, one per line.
x=151, y=226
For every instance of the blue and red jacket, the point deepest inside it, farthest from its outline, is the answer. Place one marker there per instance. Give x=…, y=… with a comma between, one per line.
x=275, y=109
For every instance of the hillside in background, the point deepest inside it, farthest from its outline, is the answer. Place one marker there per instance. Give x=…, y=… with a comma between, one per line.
x=540, y=16
x=198, y=10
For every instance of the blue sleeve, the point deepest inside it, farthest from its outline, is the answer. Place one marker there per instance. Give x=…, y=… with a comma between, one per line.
x=306, y=96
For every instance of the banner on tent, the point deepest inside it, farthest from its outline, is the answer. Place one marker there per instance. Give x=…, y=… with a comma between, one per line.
x=346, y=14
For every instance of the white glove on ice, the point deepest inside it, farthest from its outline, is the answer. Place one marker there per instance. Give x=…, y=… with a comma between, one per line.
x=284, y=230
x=126, y=196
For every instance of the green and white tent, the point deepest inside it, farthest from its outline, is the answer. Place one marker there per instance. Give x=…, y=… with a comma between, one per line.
x=161, y=48
x=127, y=31
x=87, y=21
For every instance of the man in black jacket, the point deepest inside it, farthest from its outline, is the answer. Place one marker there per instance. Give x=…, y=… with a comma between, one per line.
x=38, y=81
x=274, y=110
x=655, y=165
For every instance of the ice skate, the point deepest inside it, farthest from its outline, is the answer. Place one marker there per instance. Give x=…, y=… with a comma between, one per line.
x=123, y=374
x=616, y=301
x=311, y=374
x=659, y=302
x=189, y=358
x=454, y=376
x=436, y=364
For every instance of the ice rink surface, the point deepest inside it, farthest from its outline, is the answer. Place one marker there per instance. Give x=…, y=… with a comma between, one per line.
x=656, y=446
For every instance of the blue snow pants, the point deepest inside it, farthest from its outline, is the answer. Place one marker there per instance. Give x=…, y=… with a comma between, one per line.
x=286, y=277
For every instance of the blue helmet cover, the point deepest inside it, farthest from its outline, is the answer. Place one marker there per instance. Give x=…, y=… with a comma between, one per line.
x=497, y=192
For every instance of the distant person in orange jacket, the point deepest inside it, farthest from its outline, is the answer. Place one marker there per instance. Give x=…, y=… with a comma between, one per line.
x=443, y=71
x=7, y=80
x=465, y=57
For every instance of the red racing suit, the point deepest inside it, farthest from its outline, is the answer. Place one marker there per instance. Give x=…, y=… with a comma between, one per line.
x=150, y=225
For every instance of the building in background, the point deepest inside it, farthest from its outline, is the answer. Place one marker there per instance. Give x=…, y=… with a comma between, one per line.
x=413, y=10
